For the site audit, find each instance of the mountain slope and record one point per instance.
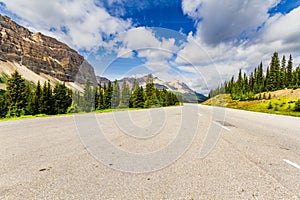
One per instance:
(183, 91)
(42, 54)
(276, 102)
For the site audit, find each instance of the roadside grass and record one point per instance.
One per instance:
(282, 105)
(69, 114)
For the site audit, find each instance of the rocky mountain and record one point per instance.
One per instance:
(180, 88)
(42, 54)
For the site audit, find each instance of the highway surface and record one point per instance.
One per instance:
(184, 152)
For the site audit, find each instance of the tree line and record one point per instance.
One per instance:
(112, 96)
(278, 75)
(23, 98)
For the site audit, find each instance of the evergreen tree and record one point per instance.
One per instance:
(16, 95)
(260, 78)
(151, 98)
(36, 99)
(274, 81)
(62, 98)
(3, 106)
(137, 99)
(115, 100)
(88, 97)
(100, 104)
(125, 95)
(135, 85)
(47, 104)
(289, 73)
(283, 72)
(108, 90)
(278, 76)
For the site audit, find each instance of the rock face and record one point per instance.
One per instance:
(42, 54)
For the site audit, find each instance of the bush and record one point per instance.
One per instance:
(297, 106)
(270, 106)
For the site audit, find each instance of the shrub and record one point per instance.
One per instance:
(270, 106)
(297, 106)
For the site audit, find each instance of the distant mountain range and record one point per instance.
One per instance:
(182, 90)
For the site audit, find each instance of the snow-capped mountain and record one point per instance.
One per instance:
(176, 86)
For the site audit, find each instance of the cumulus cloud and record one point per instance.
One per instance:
(143, 41)
(227, 20)
(283, 29)
(219, 49)
(81, 24)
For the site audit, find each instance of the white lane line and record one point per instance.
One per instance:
(221, 126)
(291, 163)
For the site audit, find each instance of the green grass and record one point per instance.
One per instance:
(3, 78)
(280, 106)
(68, 114)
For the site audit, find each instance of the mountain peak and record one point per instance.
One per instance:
(42, 54)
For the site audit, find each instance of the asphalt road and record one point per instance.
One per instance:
(188, 152)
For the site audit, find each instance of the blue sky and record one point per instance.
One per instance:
(200, 42)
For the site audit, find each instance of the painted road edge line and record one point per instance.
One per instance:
(291, 163)
(221, 126)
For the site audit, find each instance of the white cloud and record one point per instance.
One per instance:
(227, 20)
(217, 51)
(283, 28)
(145, 43)
(86, 23)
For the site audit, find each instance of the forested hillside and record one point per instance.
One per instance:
(24, 98)
(280, 74)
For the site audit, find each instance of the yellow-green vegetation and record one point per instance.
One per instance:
(282, 102)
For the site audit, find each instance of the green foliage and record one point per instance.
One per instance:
(137, 99)
(87, 103)
(47, 101)
(125, 95)
(297, 106)
(3, 78)
(16, 95)
(62, 98)
(107, 95)
(115, 99)
(277, 76)
(21, 98)
(74, 108)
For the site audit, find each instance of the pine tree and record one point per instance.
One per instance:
(151, 98)
(108, 90)
(135, 85)
(88, 97)
(62, 98)
(36, 100)
(289, 74)
(260, 77)
(16, 95)
(137, 99)
(125, 95)
(283, 72)
(47, 104)
(3, 106)
(274, 81)
(115, 100)
(100, 104)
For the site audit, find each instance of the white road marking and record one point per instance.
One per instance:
(291, 163)
(221, 126)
